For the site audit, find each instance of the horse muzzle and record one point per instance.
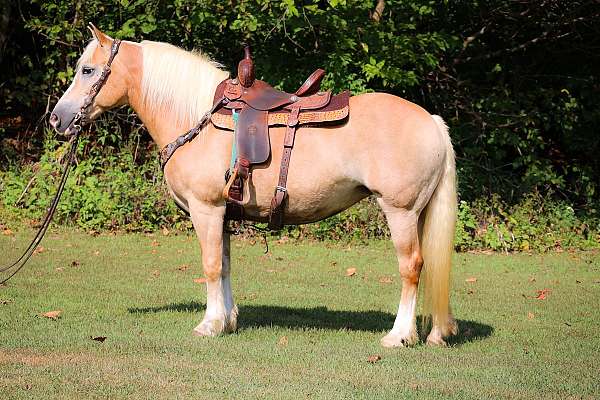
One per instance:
(62, 118)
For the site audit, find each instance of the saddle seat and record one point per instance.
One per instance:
(262, 96)
(251, 106)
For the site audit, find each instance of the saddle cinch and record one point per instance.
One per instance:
(258, 106)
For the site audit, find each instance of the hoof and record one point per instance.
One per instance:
(436, 341)
(212, 327)
(437, 334)
(393, 339)
(231, 322)
(215, 326)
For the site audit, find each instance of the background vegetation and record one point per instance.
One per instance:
(517, 81)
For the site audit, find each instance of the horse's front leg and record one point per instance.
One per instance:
(221, 312)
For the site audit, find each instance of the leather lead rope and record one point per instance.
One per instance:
(20, 263)
(74, 130)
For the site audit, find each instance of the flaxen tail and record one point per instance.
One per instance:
(437, 242)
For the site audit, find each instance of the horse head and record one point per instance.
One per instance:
(89, 68)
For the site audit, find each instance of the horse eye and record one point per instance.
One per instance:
(87, 70)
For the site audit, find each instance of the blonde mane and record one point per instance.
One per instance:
(178, 81)
(174, 80)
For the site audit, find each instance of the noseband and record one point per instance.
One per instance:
(74, 129)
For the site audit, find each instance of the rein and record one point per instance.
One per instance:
(74, 130)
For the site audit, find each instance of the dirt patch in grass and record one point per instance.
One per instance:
(84, 371)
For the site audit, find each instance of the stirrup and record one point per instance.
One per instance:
(232, 177)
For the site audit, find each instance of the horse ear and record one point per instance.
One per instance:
(102, 38)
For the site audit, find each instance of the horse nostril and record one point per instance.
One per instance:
(54, 120)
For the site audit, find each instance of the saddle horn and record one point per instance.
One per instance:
(246, 74)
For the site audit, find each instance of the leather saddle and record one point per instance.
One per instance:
(251, 106)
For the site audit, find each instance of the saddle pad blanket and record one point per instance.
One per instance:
(336, 110)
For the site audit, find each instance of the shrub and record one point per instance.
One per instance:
(117, 192)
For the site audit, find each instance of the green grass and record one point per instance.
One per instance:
(305, 329)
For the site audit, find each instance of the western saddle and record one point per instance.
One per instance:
(251, 107)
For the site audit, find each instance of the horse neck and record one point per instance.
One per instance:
(163, 123)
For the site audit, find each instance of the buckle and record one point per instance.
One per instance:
(280, 189)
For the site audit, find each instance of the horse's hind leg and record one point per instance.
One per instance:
(221, 312)
(404, 231)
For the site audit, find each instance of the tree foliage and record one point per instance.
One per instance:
(516, 80)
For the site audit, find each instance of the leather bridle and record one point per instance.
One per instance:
(81, 116)
(74, 129)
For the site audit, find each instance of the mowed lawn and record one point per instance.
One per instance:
(530, 324)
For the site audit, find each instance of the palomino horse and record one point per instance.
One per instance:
(389, 147)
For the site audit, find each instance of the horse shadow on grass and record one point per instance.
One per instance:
(260, 316)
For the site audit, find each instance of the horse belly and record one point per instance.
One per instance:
(318, 185)
(388, 147)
